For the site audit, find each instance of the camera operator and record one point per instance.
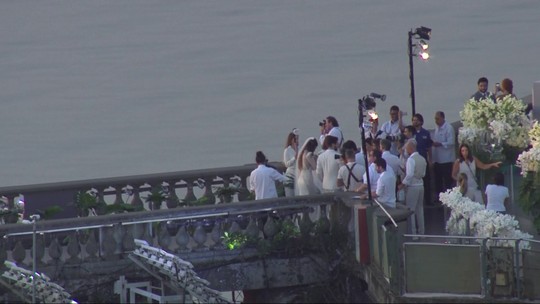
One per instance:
(330, 126)
(391, 130)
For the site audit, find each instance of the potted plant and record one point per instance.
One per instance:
(155, 198)
(225, 194)
(87, 203)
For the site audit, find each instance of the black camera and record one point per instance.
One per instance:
(337, 156)
(322, 123)
(397, 137)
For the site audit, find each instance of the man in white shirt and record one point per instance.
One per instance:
(385, 192)
(263, 179)
(328, 164)
(443, 153)
(414, 187)
(392, 161)
(331, 127)
(373, 155)
(392, 129)
(350, 174)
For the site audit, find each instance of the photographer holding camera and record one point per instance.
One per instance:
(391, 130)
(330, 126)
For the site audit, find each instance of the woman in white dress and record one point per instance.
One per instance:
(306, 165)
(289, 160)
(467, 164)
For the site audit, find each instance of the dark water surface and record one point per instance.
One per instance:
(109, 88)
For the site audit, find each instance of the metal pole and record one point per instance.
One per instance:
(364, 150)
(34, 229)
(411, 71)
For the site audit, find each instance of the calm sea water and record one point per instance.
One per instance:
(110, 88)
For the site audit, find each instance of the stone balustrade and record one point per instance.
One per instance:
(193, 231)
(181, 186)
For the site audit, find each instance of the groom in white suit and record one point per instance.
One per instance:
(328, 164)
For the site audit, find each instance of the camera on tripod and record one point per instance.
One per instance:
(368, 102)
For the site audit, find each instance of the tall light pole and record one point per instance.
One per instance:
(423, 33)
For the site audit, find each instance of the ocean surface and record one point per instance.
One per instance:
(93, 89)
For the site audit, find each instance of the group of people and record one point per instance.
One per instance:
(402, 162)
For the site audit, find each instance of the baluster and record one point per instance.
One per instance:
(147, 234)
(243, 193)
(108, 244)
(118, 192)
(3, 250)
(216, 234)
(305, 223)
(118, 235)
(208, 190)
(164, 239)
(234, 227)
(252, 230)
(226, 180)
(182, 239)
(270, 227)
(136, 201)
(128, 242)
(73, 248)
(199, 235)
(138, 231)
(323, 223)
(101, 200)
(40, 250)
(172, 198)
(18, 253)
(155, 205)
(91, 247)
(190, 195)
(55, 251)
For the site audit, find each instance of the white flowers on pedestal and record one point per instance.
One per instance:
(504, 120)
(529, 161)
(482, 223)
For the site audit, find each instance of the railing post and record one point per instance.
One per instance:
(483, 262)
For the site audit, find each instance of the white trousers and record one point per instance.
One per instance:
(414, 199)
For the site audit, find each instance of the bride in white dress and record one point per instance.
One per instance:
(306, 182)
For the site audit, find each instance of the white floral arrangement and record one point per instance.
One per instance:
(481, 222)
(505, 119)
(529, 161)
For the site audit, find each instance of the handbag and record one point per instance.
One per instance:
(474, 176)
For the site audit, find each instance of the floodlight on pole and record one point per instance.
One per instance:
(423, 33)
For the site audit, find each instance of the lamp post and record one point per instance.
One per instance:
(423, 33)
(367, 103)
(34, 218)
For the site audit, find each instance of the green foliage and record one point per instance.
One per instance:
(49, 212)
(86, 200)
(156, 197)
(225, 191)
(529, 196)
(234, 240)
(120, 208)
(203, 200)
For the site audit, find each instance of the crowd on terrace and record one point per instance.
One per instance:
(402, 161)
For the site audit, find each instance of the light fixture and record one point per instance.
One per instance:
(419, 49)
(423, 32)
(423, 45)
(423, 55)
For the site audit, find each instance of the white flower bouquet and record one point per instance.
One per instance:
(505, 120)
(482, 223)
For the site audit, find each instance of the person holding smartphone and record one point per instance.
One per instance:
(483, 92)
